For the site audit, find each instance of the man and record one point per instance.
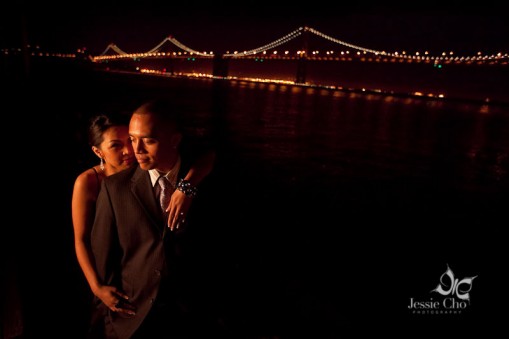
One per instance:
(132, 245)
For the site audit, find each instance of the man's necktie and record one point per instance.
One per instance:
(166, 192)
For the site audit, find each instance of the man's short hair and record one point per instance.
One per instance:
(166, 112)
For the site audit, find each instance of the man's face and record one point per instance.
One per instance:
(154, 147)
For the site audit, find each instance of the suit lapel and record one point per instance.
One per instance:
(142, 189)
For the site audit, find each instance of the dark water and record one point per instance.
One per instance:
(473, 82)
(329, 210)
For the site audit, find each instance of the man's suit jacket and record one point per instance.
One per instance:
(133, 248)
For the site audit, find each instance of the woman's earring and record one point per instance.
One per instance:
(101, 164)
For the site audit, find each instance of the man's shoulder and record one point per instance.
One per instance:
(123, 176)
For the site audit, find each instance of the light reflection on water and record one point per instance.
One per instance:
(309, 129)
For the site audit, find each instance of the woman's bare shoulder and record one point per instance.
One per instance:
(87, 180)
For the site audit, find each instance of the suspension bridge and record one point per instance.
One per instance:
(294, 59)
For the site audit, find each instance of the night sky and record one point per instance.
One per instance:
(222, 25)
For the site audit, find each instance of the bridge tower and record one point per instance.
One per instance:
(302, 61)
(220, 65)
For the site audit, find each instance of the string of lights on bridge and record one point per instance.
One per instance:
(269, 51)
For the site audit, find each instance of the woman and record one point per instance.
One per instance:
(109, 139)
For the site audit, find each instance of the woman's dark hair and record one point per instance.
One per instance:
(100, 123)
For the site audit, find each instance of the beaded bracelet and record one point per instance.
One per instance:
(185, 187)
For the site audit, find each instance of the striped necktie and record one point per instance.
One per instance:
(166, 192)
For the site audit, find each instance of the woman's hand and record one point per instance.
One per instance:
(179, 205)
(114, 299)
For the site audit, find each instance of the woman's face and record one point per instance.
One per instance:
(117, 149)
